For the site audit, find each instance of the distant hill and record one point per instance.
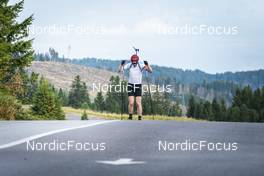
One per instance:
(61, 74)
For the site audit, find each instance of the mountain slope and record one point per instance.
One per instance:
(61, 74)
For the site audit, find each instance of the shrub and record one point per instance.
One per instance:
(10, 108)
(84, 116)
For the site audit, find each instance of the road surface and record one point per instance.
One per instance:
(130, 148)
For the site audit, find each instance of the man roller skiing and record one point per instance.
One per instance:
(134, 88)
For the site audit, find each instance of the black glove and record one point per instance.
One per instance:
(146, 63)
(123, 62)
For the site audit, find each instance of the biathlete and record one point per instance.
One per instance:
(134, 88)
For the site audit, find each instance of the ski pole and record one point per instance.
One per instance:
(122, 93)
(150, 97)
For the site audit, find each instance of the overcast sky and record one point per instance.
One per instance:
(158, 28)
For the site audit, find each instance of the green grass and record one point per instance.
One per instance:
(113, 116)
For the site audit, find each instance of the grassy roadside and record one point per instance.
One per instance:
(112, 116)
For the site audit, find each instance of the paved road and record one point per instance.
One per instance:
(132, 148)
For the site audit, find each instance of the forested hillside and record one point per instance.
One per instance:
(185, 82)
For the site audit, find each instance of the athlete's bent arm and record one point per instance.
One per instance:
(121, 66)
(148, 67)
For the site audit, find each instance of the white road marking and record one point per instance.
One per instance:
(30, 138)
(122, 161)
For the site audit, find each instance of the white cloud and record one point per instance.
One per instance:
(150, 26)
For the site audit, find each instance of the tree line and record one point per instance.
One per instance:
(117, 101)
(247, 106)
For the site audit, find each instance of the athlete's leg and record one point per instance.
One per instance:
(131, 104)
(139, 106)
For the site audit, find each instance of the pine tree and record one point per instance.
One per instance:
(191, 107)
(78, 93)
(15, 51)
(223, 111)
(63, 97)
(207, 110)
(84, 92)
(247, 96)
(237, 101)
(32, 86)
(113, 98)
(45, 103)
(216, 110)
(157, 103)
(146, 106)
(257, 100)
(165, 104)
(99, 102)
(111, 104)
(198, 110)
(123, 97)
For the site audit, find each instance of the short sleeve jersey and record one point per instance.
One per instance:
(135, 72)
